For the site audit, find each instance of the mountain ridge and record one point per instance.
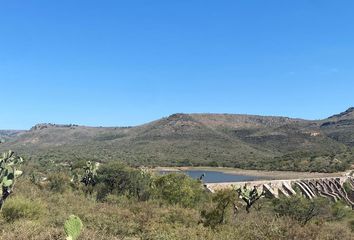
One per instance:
(233, 140)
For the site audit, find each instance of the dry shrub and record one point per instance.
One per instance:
(325, 231)
(30, 230)
(18, 207)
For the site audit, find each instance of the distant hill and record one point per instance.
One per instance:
(245, 141)
(7, 135)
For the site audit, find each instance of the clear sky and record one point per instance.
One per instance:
(119, 63)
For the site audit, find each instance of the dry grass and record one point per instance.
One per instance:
(123, 218)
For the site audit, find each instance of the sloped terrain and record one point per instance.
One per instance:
(245, 141)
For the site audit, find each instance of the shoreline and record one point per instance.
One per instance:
(261, 174)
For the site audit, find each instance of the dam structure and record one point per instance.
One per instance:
(329, 187)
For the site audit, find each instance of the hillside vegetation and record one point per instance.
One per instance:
(128, 203)
(231, 140)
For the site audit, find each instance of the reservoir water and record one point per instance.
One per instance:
(215, 176)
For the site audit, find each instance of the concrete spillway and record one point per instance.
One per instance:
(331, 188)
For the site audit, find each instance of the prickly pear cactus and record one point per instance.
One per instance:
(250, 196)
(8, 174)
(89, 177)
(73, 227)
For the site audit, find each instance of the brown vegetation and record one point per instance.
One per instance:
(39, 213)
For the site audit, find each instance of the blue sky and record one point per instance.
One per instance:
(119, 63)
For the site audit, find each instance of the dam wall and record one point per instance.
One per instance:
(329, 187)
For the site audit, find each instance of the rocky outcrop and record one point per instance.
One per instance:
(48, 125)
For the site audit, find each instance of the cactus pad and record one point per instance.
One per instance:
(72, 227)
(8, 173)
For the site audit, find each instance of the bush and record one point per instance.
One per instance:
(351, 225)
(179, 189)
(216, 214)
(339, 211)
(17, 208)
(301, 209)
(119, 179)
(58, 182)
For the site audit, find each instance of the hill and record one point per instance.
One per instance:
(233, 140)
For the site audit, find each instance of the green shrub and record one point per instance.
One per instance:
(351, 225)
(58, 182)
(216, 214)
(18, 207)
(119, 179)
(339, 211)
(179, 215)
(300, 208)
(179, 189)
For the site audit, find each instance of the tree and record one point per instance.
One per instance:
(178, 188)
(117, 178)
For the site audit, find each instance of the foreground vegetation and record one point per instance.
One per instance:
(129, 203)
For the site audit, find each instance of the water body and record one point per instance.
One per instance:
(215, 176)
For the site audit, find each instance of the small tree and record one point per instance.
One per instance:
(301, 209)
(140, 184)
(180, 189)
(216, 215)
(117, 178)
